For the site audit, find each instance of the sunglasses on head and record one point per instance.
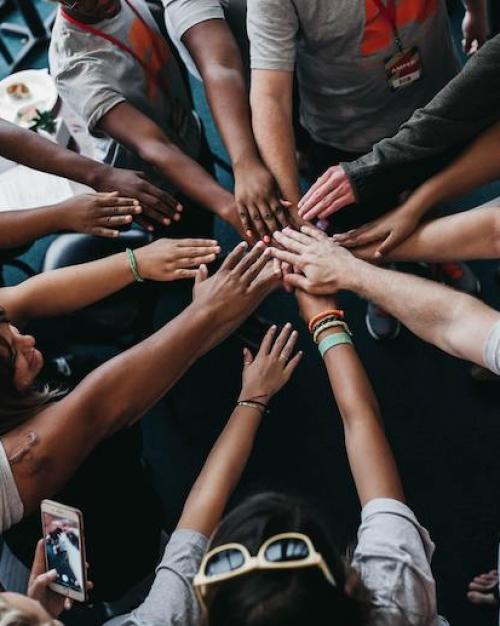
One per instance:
(284, 551)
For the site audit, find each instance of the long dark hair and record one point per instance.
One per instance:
(19, 406)
(295, 597)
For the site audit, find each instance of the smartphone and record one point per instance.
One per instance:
(65, 549)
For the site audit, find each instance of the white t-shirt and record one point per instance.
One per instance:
(11, 507)
(492, 350)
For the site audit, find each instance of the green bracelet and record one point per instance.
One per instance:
(132, 261)
(336, 339)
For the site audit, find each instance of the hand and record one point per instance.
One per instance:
(330, 193)
(157, 205)
(325, 266)
(271, 369)
(257, 201)
(239, 286)
(474, 30)
(392, 228)
(98, 214)
(38, 585)
(173, 259)
(310, 305)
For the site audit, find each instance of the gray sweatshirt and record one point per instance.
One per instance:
(434, 135)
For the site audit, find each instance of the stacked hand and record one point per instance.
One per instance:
(174, 259)
(321, 265)
(474, 29)
(157, 205)
(266, 373)
(99, 214)
(330, 193)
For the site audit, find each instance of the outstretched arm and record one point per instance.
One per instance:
(130, 127)
(217, 57)
(370, 457)
(28, 148)
(263, 377)
(72, 288)
(478, 165)
(457, 323)
(123, 389)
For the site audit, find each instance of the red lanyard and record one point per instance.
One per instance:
(388, 11)
(159, 80)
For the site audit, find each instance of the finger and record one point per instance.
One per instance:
(281, 340)
(388, 244)
(42, 581)
(99, 231)
(201, 275)
(314, 233)
(159, 199)
(335, 206)
(281, 213)
(144, 223)
(289, 346)
(247, 357)
(481, 598)
(257, 221)
(182, 274)
(157, 216)
(366, 237)
(152, 205)
(125, 209)
(249, 259)
(267, 214)
(197, 243)
(292, 364)
(122, 220)
(234, 257)
(68, 603)
(322, 204)
(257, 266)
(287, 257)
(202, 250)
(314, 195)
(195, 261)
(297, 281)
(246, 222)
(38, 566)
(288, 242)
(268, 278)
(111, 200)
(267, 342)
(297, 236)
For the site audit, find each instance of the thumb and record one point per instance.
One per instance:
(42, 582)
(201, 274)
(247, 357)
(298, 281)
(387, 245)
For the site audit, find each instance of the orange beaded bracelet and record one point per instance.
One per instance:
(322, 316)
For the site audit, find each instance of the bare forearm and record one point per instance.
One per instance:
(20, 227)
(273, 128)
(28, 148)
(455, 322)
(221, 472)
(370, 457)
(71, 288)
(465, 236)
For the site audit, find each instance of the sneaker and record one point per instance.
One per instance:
(380, 324)
(456, 275)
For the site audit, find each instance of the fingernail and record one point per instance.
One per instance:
(273, 328)
(177, 217)
(179, 207)
(267, 239)
(135, 202)
(53, 572)
(217, 249)
(128, 218)
(150, 229)
(138, 209)
(166, 221)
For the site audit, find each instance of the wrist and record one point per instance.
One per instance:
(249, 394)
(95, 175)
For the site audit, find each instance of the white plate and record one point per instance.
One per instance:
(43, 93)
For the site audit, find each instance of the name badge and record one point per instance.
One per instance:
(403, 68)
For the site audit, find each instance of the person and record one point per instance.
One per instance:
(30, 149)
(362, 71)
(423, 145)
(476, 166)
(455, 322)
(271, 560)
(33, 423)
(210, 51)
(116, 71)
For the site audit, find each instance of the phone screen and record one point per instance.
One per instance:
(63, 546)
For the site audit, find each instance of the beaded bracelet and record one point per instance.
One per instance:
(331, 341)
(322, 316)
(331, 324)
(251, 404)
(132, 261)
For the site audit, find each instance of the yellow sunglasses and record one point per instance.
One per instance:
(284, 551)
